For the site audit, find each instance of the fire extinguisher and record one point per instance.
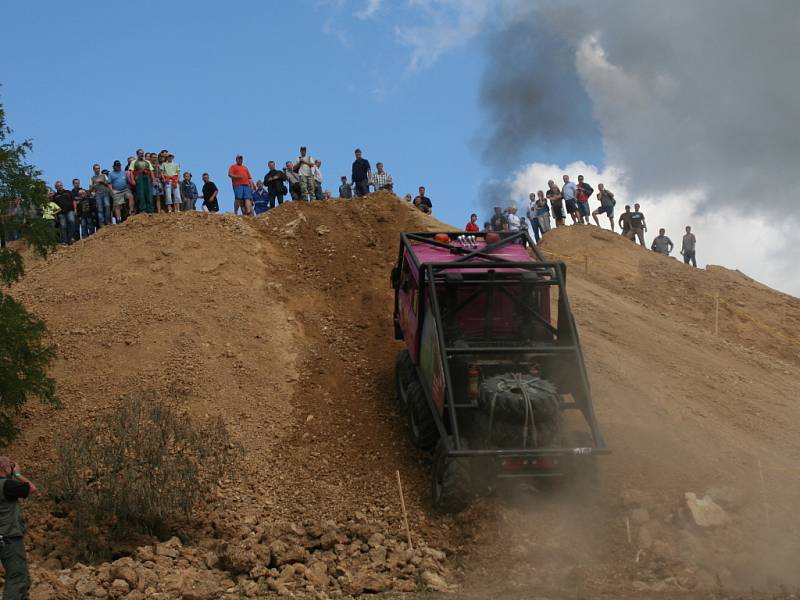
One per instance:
(473, 382)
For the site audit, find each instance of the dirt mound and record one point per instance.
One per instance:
(282, 325)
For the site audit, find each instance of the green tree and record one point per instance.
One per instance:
(25, 352)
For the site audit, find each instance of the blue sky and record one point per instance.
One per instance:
(92, 81)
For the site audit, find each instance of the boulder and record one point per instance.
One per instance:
(434, 581)
(706, 512)
(317, 574)
(119, 588)
(283, 553)
(123, 569)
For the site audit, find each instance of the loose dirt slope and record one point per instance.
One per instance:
(282, 324)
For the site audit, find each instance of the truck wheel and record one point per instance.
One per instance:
(451, 489)
(403, 375)
(421, 426)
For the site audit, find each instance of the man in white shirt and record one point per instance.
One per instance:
(317, 172)
(568, 192)
(513, 219)
(303, 166)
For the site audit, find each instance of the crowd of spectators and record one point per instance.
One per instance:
(550, 209)
(154, 182)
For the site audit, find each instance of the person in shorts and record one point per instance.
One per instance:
(569, 192)
(607, 203)
(556, 202)
(242, 186)
(120, 192)
(583, 192)
(171, 173)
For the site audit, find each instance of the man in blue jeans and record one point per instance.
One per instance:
(66, 216)
(102, 196)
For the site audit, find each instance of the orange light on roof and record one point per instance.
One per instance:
(442, 237)
(492, 237)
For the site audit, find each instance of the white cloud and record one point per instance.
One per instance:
(719, 233)
(369, 10)
(449, 24)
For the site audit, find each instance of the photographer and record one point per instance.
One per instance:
(12, 527)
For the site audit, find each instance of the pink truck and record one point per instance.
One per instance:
(492, 377)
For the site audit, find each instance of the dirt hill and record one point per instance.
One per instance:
(282, 325)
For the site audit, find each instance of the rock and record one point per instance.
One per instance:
(145, 553)
(434, 581)
(366, 581)
(86, 586)
(119, 588)
(706, 512)
(53, 564)
(169, 549)
(377, 555)
(404, 585)
(283, 553)
(434, 554)
(329, 539)
(376, 539)
(317, 574)
(43, 591)
(640, 516)
(645, 539)
(236, 559)
(123, 569)
(323, 229)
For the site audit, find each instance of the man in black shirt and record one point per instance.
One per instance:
(498, 221)
(362, 173)
(12, 527)
(66, 216)
(422, 202)
(273, 181)
(210, 192)
(638, 225)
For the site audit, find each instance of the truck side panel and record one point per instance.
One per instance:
(430, 360)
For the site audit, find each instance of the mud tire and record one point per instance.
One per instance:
(404, 374)
(421, 427)
(451, 481)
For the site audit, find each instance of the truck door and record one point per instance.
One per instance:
(408, 308)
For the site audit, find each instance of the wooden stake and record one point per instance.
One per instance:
(716, 314)
(403, 506)
(628, 528)
(764, 495)
(586, 263)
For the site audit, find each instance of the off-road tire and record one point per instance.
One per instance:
(512, 405)
(451, 481)
(421, 427)
(404, 374)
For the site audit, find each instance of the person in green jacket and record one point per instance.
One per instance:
(13, 486)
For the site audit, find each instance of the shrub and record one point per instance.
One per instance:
(137, 468)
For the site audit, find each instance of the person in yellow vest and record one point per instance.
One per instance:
(172, 190)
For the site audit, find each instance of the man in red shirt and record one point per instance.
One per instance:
(472, 226)
(242, 187)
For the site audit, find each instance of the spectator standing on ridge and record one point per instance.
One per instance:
(584, 192)
(661, 243)
(472, 226)
(242, 186)
(260, 198)
(303, 167)
(317, 171)
(15, 486)
(172, 183)
(210, 193)
(625, 221)
(512, 219)
(102, 196)
(157, 181)
(274, 181)
(532, 218)
(556, 202)
(142, 175)
(607, 203)
(688, 246)
(498, 222)
(84, 215)
(381, 180)
(293, 179)
(362, 173)
(542, 212)
(188, 192)
(422, 202)
(120, 192)
(50, 212)
(66, 212)
(345, 189)
(568, 192)
(638, 225)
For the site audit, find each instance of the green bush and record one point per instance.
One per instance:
(136, 469)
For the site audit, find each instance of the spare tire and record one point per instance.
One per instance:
(508, 400)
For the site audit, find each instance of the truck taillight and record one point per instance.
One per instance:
(473, 382)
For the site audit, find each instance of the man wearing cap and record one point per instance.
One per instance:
(171, 172)
(142, 175)
(242, 186)
(303, 166)
(120, 192)
(274, 181)
(14, 486)
(362, 173)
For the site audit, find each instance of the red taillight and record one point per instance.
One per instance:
(473, 382)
